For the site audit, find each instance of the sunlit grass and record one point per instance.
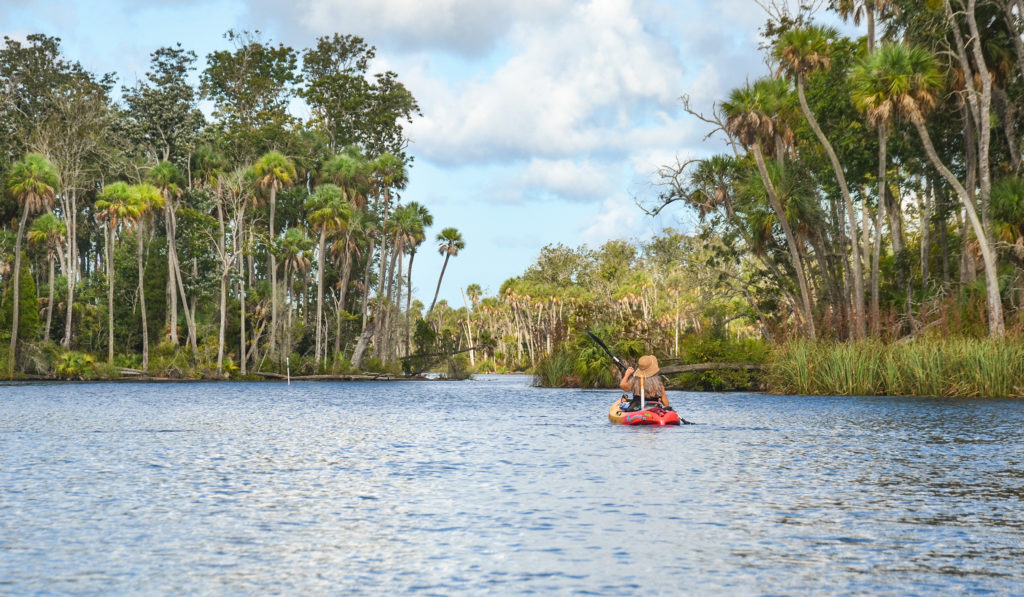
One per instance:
(956, 367)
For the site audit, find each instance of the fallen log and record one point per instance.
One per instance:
(698, 367)
(330, 377)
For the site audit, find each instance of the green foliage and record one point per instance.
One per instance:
(488, 366)
(458, 367)
(168, 360)
(75, 365)
(250, 88)
(955, 367)
(29, 326)
(339, 365)
(713, 348)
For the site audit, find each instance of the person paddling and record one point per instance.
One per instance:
(645, 377)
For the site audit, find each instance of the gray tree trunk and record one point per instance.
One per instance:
(791, 242)
(858, 275)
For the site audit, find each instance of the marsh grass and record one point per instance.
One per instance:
(955, 367)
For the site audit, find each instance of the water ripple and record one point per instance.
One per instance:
(449, 488)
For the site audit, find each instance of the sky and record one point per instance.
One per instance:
(544, 121)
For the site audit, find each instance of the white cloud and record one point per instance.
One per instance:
(617, 217)
(575, 181)
(577, 87)
(469, 28)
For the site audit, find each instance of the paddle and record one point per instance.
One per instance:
(618, 362)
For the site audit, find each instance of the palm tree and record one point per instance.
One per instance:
(167, 178)
(749, 119)
(234, 188)
(294, 248)
(347, 245)
(48, 230)
(33, 182)
(801, 52)
(117, 205)
(403, 229)
(449, 244)
(328, 212)
(148, 198)
(209, 169)
(386, 172)
(905, 81)
(869, 10)
(473, 291)
(273, 171)
(350, 171)
(425, 220)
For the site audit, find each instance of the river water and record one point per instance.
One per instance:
(493, 486)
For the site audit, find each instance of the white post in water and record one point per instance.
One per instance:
(288, 369)
(642, 401)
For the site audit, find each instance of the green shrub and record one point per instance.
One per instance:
(339, 364)
(75, 365)
(458, 367)
(716, 348)
(105, 370)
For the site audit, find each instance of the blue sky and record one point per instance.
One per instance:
(543, 120)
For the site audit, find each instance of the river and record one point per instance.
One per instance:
(494, 486)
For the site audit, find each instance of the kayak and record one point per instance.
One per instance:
(652, 415)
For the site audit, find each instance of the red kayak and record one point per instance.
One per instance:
(655, 414)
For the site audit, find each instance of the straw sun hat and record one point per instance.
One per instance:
(647, 366)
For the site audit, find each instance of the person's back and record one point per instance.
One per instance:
(644, 380)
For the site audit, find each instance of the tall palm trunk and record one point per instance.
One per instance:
(439, 278)
(346, 272)
(926, 204)
(172, 256)
(69, 204)
(225, 269)
(385, 334)
(272, 266)
(366, 280)
(189, 313)
(142, 297)
(320, 293)
(49, 302)
(16, 291)
(287, 332)
(791, 242)
(110, 294)
(240, 255)
(995, 306)
(382, 305)
(408, 306)
(858, 275)
(883, 166)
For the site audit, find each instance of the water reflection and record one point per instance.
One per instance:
(495, 486)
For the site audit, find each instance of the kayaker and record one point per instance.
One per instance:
(647, 370)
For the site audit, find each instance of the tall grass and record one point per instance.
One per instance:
(956, 367)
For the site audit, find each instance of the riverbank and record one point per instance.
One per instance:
(267, 377)
(958, 367)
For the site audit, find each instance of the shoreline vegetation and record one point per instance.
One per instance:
(860, 230)
(947, 367)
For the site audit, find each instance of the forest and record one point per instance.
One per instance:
(869, 196)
